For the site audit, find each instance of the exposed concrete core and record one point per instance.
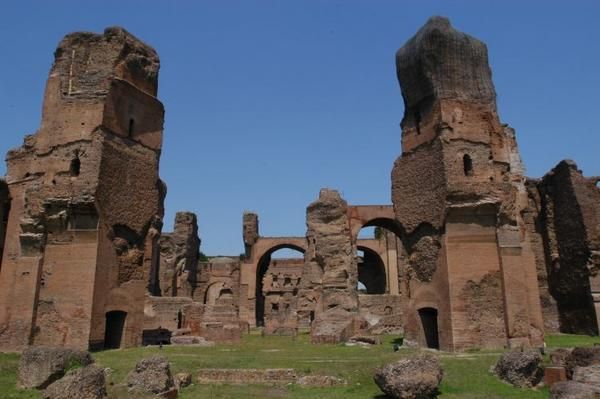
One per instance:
(458, 193)
(331, 253)
(570, 210)
(87, 201)
(178, 258)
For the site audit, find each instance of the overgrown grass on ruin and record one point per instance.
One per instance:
(466, 375)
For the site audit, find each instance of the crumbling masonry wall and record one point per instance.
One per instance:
(178, 261)
(569, 205)
(87, 200)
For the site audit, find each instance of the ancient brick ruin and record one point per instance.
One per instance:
(86, 201)
(470, 254)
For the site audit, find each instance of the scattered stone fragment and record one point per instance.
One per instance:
(182, 380)
(521, 369)
(41, 366)
(411, 378)
(84, 383)
(559, 357)
(582, 357)
(151, 375)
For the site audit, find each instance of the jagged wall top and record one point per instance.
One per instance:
(440, 62)
(91, 60)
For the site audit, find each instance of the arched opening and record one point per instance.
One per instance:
(278, 275)
(115, 323)
(371, 272)
(131, 127)
(75, 167)
(179, 319)
(429, 323)
(379, 250)
(4, 212)
(467, 165)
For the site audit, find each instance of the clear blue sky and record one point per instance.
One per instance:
(268, 101)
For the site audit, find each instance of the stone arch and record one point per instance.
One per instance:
(261, 268)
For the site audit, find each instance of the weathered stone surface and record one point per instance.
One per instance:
(520, 368)
(582, 357)
(83, 383)
(41, 366)
(151, 375)
(411, 378)
(574, 390)
(588, 375)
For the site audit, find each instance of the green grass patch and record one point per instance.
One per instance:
(9, 364)
(570, 341)
(466, 375)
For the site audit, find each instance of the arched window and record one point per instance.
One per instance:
(131, 127)
(75, 167)
(467, 165)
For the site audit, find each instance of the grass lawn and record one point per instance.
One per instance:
(466, 375)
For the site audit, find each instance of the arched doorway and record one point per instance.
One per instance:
(429, 323)
(277, 280)
(115, 324)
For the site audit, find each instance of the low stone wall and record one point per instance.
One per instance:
(265, 376)
(247, 376)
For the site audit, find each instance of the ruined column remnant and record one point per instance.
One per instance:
(570, 214)
(179, 257)
(86, 200)
(250, 233)
(329, 279)
(458, 191)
